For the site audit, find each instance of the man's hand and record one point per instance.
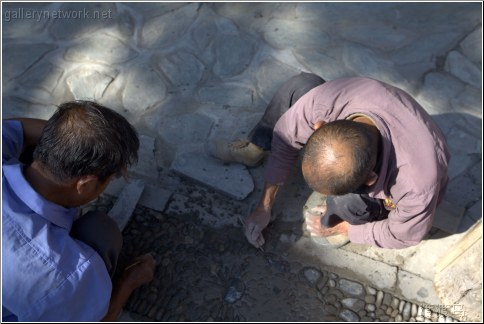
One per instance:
(140, 271)
(258, 220)
(313, 223)
(254, 224)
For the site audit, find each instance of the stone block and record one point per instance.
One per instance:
(126, 203)
(448, 217)
(231, 94)
(82, 21)
(416, 289)
(350, 265)
(437, 91)
(427, 48)
(19, 57)
(471, 46)
(270, 76)
(100, 48)
(146, 165)
(459, 66)
(233, 54)
(90, 82)
(167, 29)
(280, 33)
(231, 179)
(185, 129)
(45, 76)
(181, 68)
(14, 24)
(152, 196)
(327, 67)
(143, 90)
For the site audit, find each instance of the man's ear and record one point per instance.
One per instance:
(86, 183)
(318, 124)
(372, 178)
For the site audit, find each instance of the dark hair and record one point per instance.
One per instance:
(85, 138)
(339, 157)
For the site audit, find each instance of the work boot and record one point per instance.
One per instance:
(241, 151)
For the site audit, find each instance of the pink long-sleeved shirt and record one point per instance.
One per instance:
(413, 174)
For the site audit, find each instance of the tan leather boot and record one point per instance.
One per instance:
(241, 151)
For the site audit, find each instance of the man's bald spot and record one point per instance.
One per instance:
(338, 157)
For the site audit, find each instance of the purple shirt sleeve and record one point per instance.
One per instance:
(291, 133)
(405, 226)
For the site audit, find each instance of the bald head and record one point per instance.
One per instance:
(339, 157)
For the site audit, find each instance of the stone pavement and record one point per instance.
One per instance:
(187, 73)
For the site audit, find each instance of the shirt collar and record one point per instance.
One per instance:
(56, 214)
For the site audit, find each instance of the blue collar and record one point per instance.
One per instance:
(56, 214)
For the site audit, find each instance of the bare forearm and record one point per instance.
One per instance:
(268, 196)
(119, 298)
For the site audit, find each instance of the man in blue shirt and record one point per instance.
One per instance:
(56, 267)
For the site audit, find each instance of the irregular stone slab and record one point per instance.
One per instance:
(231, 94)
(90, 83)
(14, 22)
(82, 19)
(233, 179)
(448, 217)
(466, 188)
(174, 130)
(19, 57)
(125, 25)
(152, 197)
(100, 48)
(233, 54)
(270, 76)
(458, 65)
(45, 76)
(436, 92)
(471, 46)
(181, 68)
(167, 29)
(204, 30)
(13, 107)
(281, 33)
(144, 89)
(126, 203)
(321, 64)
(378, 34)
(229, 129)
(151, 9)
(146, 165)
(367, 62)
(468, 101)
(427, 48)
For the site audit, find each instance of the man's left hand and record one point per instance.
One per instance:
(313, 224)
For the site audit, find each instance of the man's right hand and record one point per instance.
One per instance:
(140, 271)
(254, 224)
(258, 220)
